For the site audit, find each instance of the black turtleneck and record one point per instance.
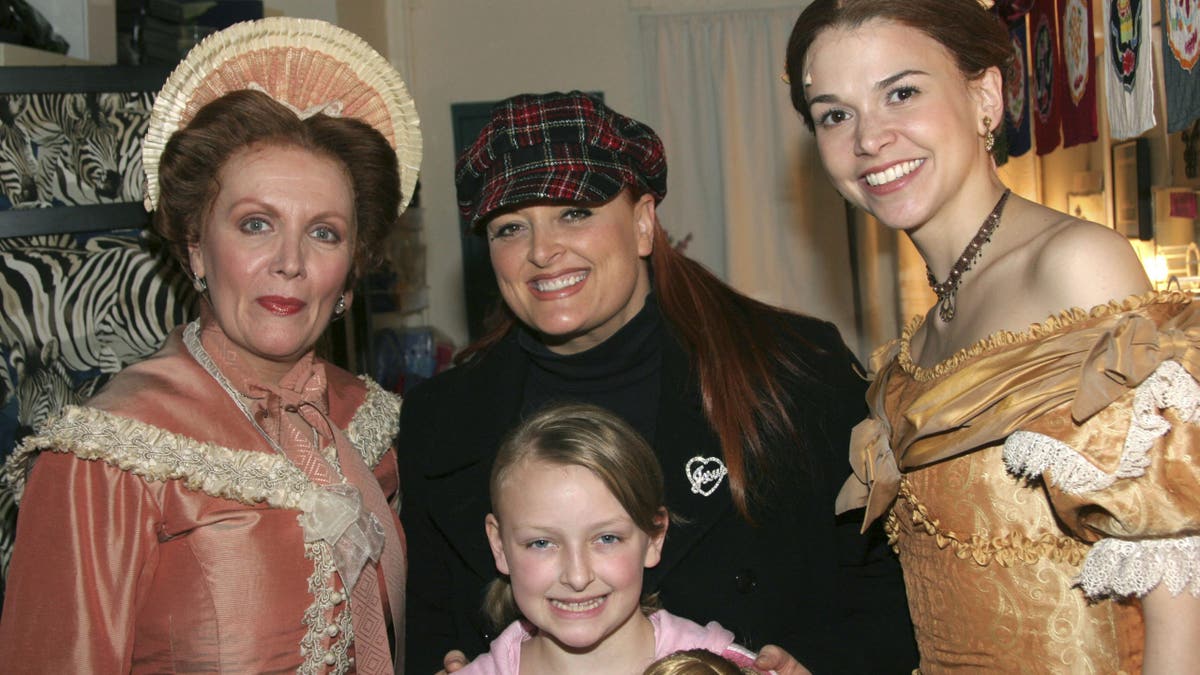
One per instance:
(620, 374)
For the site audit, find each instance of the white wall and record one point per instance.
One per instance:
(325, 10)
(89, 26)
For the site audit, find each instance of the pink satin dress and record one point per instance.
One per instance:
(160, 528)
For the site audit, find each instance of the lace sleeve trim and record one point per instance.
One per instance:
(1031, 454)
(375, 423)
(159, 455)
(1121, 568)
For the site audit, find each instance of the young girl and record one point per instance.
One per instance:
(578, 513)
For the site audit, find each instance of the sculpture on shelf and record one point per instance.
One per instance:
(22, 24)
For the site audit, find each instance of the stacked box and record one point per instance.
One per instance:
(171, 27)
(131, 14)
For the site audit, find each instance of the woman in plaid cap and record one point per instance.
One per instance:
(748, 407)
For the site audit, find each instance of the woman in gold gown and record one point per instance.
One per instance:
(1033, 439)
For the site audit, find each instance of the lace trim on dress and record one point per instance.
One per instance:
(376, 422)
(1035, 332)
(1170, 386)
(1005, 550)
(340, 632)
(1120, 568)
(159, 455)
(1032, 455)
(155, 454)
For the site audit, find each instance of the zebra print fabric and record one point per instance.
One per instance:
(73, 311)
(72, 149)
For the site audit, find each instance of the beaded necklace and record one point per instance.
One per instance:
(948, 289)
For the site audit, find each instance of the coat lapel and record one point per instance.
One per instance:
(493, 400)
(470, 436)
(682, 434)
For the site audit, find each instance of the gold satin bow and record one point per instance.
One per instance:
(876, 479)
(1126, 355)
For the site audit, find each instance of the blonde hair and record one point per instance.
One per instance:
(695, 662)
(597, 440)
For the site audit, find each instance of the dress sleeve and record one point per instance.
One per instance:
(86, 545)
(1126, 480)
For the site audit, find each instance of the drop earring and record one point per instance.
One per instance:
(339, 309)
(199, 283)
(989, 138)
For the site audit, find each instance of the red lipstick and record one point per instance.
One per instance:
(560, 285)
(280, 305)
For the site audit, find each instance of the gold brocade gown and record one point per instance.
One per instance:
(1039, 483)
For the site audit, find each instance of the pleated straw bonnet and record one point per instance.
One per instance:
(308, 65)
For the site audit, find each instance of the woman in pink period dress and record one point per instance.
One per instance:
(227, 505)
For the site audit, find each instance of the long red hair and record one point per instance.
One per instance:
(738, 347)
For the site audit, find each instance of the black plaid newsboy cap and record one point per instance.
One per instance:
(556, 147)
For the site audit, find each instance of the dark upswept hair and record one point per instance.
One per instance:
(194, 155)
(739, 348)
(588, 436)
(975, 38)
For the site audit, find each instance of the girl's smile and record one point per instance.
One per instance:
(574, 556)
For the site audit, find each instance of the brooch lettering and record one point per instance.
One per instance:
(705, 474)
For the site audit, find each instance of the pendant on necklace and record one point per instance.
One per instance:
(946, 308)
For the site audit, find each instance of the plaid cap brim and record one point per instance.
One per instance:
(551, 173)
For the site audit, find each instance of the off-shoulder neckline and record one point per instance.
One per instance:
(1006, 338)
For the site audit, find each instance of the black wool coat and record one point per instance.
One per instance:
(797, 577)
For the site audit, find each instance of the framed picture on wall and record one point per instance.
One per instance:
(1087, 206)
(1132, 213)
